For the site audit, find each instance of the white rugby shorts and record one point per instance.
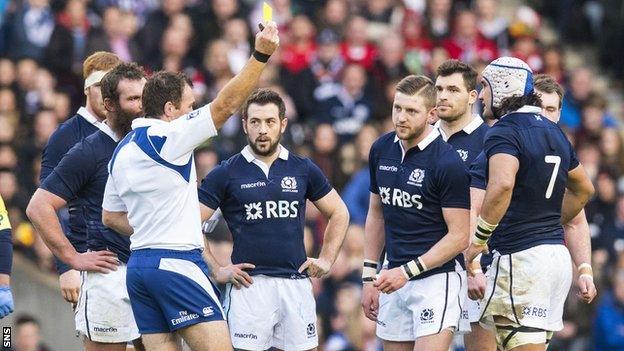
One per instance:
(272, 312)
(423, 307)
(103, 313)
(529, 287)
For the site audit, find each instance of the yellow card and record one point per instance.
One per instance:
(267, 12)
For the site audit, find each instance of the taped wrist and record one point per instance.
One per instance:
(264, 58)
(483, 232)
(369, 271)
(413, 268)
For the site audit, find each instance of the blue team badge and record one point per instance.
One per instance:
(289, 184)
(417, 177)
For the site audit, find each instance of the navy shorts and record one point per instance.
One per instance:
(170, 290)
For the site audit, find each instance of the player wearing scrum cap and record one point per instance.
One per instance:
(420, 199)
(531, 165)
(84, 123)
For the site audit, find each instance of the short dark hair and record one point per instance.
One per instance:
(450, 67)
(547, 84)
(264, 97)
(161, 88)
(110, 81)
(418, 85)
(25, 319)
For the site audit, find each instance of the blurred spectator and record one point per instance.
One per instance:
(319, 79)
(389, 64)
(28, 334)
(237, 35)
(523, 31)
(554, 64)
(297, 54)
(491, 24)
(116, 35)
(334, 15)
(594, 118)
(467, 44)
(418, 47)
(7, 73)
(439, 19)
(576, 94)
(324, 155)
(356, 193)
(350, 107)
(155, 25)
(30, 29)
(356, 48)
(609, 322)
(611, 238)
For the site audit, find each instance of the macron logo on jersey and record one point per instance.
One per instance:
(253, 185)
(388, 168)
(271, 209)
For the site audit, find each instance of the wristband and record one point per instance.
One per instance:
(413, 268)
(483, 232)
(369, 271)
(584, 265)
(264, 58)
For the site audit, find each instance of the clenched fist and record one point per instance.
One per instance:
(267, 40)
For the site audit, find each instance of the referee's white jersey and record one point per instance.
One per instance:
(152, 177)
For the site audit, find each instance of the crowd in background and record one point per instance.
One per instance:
(336, 68)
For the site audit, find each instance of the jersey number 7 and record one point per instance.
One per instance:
(556, 160)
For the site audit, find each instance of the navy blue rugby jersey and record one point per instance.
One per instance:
(414, 186)
(546, 156)
(68, 134)
(265, 208)
(469, 141)
(82, 174)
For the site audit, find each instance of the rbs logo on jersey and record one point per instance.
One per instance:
(271, 209)
(399, 198)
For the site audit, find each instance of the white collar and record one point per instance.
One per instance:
(104, 127)
(475, 123)
(529, 109)
(146, 122)
(249, 156)
(84, 113)
(435, 132)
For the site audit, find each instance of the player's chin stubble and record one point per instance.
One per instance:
(266, 151)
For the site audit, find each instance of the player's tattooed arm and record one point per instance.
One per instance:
(335, 210)
(236, 91)
(117, 221)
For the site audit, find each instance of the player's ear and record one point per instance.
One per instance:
(473, 95)
(108, 105)
(244, 123)
(432, 116)
(169, 110)
(284, 123)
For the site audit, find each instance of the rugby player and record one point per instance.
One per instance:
(420, 199)
(75, 129)
(535, 184)
(103, 314)
(262, 193)
(456, 92)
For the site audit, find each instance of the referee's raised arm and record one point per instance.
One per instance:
(237, 90)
